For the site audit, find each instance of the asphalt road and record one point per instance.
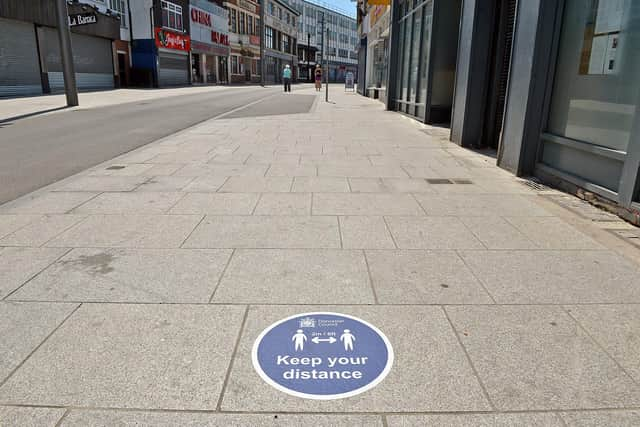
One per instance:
(40, 150)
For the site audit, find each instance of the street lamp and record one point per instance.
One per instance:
(308, 52)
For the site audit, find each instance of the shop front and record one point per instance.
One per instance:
(209, 43)
(173, 58)
(425, 46)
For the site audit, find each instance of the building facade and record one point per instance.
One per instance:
(30, 63)
(340, 44)
(280, 40)
(244, 40)
(551, 85)
(209, 43)
(376, 55)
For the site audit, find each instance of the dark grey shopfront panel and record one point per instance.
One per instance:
(173, 70)
(19, 65)
(92, 58)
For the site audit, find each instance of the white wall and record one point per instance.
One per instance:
(141, 19)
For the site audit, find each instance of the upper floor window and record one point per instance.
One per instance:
(171, 16)
(119, 7)
(232, 17)
(268, 37)
(241, 22)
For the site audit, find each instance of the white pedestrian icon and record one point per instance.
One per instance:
(347, 338)
(299, 338)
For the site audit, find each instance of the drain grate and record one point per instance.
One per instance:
(535, 184)
(439, 181)
(462, 181)
(115, 168)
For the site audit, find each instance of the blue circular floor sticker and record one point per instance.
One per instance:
(322, 355)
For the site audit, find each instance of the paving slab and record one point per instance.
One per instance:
(216, 204)
(128, 231)
(295, 277)
(265, 232)
(242, 184)
(430, 371)
(165, 183)
(129, 275)
(83, 418)
(480, 205)
(423, 277)
(131, 356)
(12, 223)
(361, 171)
(365, 204)
(41, 230)
(121, 169)
(432, 233)
(102, 183)
(553, 233)
(365, 232)
(48, 203)
(18, 265)
(284, 204)
(616, 328)
(497, 233)
(163, 169)
(205, 184)
(307, 170)
(320, 184)
(23, 326)
(30, 416)
(153, 203)
(538, 358)
(220, 169)
(555, 277)
(476, 420)
(601, 418)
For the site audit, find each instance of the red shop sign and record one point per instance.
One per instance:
(219, 38)
(201, 17)
(171, 40)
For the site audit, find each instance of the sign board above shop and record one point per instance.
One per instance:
(86, 18)
(170, 40)
(209, 26)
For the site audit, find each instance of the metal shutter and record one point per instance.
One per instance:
(173, 70)
(92, 59)
(19, 65)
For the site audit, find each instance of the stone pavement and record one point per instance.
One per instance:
(132, 293)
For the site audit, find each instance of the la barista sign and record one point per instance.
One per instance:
(322, 356)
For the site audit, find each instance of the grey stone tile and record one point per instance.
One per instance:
(423, 277)
(128, 231)
(82, 418)
(480, 205)
(163, 169)
(129, 275)
(220, 169)
(122, 169)
(282, 159)
(296, 277)
(242, 184)
(103, 183)
(49, 203)
(41, 231)
(538, 358)
(17, 265)
(30, 417)
(556, 277)
(182, 157)
(475, 420)
(154, 203)
(131, 356)
(284, 204)
(205, 184)
(430, 371)
(320, 184)
(361, 171)
(497, 233)
(601, 418)
(365, 204)
(432, 233)
(11, 223)
(365, 232)
(23, 326)
(216, 204)
(265, 232)
(165, 183)
(617, 329)
(407, 185)
(292, 171)
(553, 233)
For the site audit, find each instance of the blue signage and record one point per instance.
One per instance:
(322, 355)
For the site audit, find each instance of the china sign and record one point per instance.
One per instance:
(171, 40)
(209, 26)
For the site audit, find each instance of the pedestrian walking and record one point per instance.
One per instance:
(318, 78)
(286, 76)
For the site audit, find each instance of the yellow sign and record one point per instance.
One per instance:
(379, 2)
